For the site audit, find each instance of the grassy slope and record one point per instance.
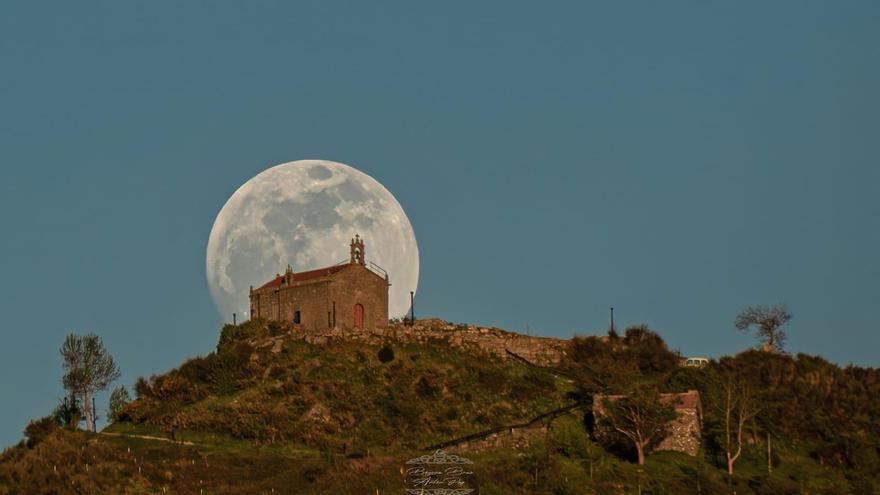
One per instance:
(341, 399)
(335, 419)
(560, 464)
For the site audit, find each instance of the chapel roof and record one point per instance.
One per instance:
(304, 276)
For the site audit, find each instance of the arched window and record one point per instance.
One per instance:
(358, 315)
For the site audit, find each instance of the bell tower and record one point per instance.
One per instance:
(357, 250)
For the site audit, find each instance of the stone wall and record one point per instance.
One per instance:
(358, 285)
(543, 351)
(311, 300)
(684, 433)
(326, 301)
(510, 438)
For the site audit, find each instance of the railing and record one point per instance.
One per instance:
(378, 270)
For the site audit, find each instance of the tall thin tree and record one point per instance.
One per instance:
(88, 368)
(738, 406)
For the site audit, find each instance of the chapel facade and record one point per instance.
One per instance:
(350, 294)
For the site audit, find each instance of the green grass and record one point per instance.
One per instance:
(245, 411)
(428, 394)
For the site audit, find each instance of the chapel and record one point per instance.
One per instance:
(350, 294)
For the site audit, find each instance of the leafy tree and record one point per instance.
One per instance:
(649, 350)
(118, 400)
(768, 322)
(68, 413)
(642, 417)
(89, 368)
(601, 365)
(605, 364)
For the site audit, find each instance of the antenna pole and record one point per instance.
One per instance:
(612, 317)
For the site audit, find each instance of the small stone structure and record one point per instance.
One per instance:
(684, 431)
(351, 294)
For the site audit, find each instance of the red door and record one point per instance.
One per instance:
(358, 315)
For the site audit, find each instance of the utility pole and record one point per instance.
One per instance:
(233, 319)
(612, 317)
(412, 309)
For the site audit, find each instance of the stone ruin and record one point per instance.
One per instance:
(684, 431)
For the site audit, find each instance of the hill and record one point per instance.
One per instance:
(268, 412)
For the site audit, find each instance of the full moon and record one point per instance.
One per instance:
(305, 213)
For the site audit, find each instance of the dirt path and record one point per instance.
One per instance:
(147, 437)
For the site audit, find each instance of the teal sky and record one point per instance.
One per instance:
(677, 160)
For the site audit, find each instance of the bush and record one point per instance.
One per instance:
(426, 388)
(570, 438)
(386, 354)
(142, 388)
(39, 429)
(257, 328)
(67, 413)
(118, 400)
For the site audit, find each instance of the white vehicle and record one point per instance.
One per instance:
(696, 362)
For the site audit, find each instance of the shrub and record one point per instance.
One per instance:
(39, 429)
(426, 389)
(67, 413)
(386, 354)
(275, 328)
(118, 400)
(142, 388)
(174, 386)
(277, 372)
(569, 438)
(197, 369)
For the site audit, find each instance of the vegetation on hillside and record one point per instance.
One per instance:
(264, 412)
(341, 397)
(88, 369)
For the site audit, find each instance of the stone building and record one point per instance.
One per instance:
(684, 431)
(350, 294)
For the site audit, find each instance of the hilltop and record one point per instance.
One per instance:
(272, 412)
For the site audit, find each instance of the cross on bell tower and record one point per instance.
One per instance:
(357, 250)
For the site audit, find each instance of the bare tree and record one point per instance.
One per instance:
(738, 405)
(768, 322)
(89, 368)
(642, 417)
